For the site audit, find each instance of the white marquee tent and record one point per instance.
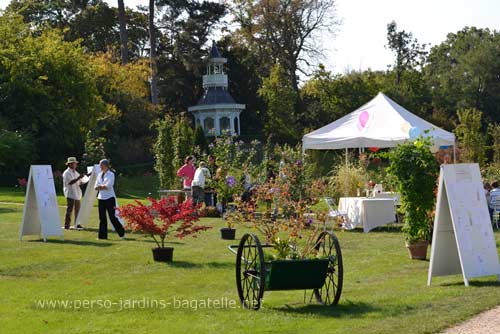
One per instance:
(379, 123)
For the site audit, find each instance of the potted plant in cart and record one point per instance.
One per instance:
(415, 170)
(297, 254)
(161, 219)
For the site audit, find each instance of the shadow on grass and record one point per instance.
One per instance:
(474, 283)
(384, 229)
(343, 309)
(9, 210)
(76, 242)
(210, 265)
(134, 236)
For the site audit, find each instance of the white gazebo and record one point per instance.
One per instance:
(217, 112)
(379, 123)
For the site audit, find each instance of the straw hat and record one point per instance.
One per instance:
(71, 160)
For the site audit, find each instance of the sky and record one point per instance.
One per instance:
(360, 40)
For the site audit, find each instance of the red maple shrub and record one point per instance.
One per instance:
(162, 218)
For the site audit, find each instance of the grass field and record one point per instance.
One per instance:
(384, 291)
(128, 189)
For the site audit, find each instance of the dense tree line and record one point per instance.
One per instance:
(77, 72)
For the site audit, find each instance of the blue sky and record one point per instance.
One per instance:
(360, 40)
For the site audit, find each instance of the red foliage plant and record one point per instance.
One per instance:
(162, 218)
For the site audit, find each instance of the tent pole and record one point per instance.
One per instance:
(346, 172)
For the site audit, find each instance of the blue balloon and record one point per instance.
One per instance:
(414, 132)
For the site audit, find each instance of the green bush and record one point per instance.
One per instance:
(17, 152)
(416, 170)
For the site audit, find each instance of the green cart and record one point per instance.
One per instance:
(254, 275)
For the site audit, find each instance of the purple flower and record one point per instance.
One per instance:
(230, 181)
(309, 221)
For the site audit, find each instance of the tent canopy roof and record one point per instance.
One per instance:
(379, 123)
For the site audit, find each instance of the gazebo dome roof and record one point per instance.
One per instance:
(214, 52)
(216, 95)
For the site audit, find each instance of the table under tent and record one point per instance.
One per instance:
(380, 123)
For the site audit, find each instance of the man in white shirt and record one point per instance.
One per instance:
(72, 180)
(198, 184)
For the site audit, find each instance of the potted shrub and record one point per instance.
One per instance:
(298, 253)
(161, 219)
(230, 217)
(415, 170)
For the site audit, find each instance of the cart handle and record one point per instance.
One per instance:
(234, 248)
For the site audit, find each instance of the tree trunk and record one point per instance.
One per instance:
(123, 32)
(152, 52)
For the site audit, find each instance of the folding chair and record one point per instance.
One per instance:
(334, 213)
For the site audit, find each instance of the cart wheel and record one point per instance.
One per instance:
(250, 271)
(328, 246)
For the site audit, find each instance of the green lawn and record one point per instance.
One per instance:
(128, 189)
(384, 291)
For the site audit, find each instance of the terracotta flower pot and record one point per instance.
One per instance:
(418, 250)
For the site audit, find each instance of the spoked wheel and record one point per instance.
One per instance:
(328, 246)
(250, 271)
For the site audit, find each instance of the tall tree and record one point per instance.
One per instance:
(470, 135)
(409, 53)
(123, 32)
(152, 53)
(285, 31)
(280, 98)
(164, 152)
(57, 100)
(185, 27)
(463, 71)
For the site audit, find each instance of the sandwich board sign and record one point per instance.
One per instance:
(89, 196)
(463, 241)
(41, 214)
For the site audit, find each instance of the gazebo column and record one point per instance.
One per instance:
(231, 124)
(217, 125)
(202, 122)
(239, 126)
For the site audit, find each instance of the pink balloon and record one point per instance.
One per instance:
(363, 118)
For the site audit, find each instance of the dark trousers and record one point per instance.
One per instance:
(108, 205)
(198, 194)
(71, 204)
(210, 198)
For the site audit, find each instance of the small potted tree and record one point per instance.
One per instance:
(415, 170)
(162, 218)
(229, 190)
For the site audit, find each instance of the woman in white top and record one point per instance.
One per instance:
(107, 200)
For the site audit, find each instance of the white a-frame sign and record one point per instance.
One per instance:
(89, 196)
(41, 214)
(463, 241)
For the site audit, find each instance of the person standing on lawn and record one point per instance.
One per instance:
(72, 180)
(198, 185)
(107, 201)
(210, 194)
(186, 172)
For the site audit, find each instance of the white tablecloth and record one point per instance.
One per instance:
(388, 194)
(368, 212)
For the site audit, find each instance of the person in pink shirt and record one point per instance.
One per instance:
(186, 172)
